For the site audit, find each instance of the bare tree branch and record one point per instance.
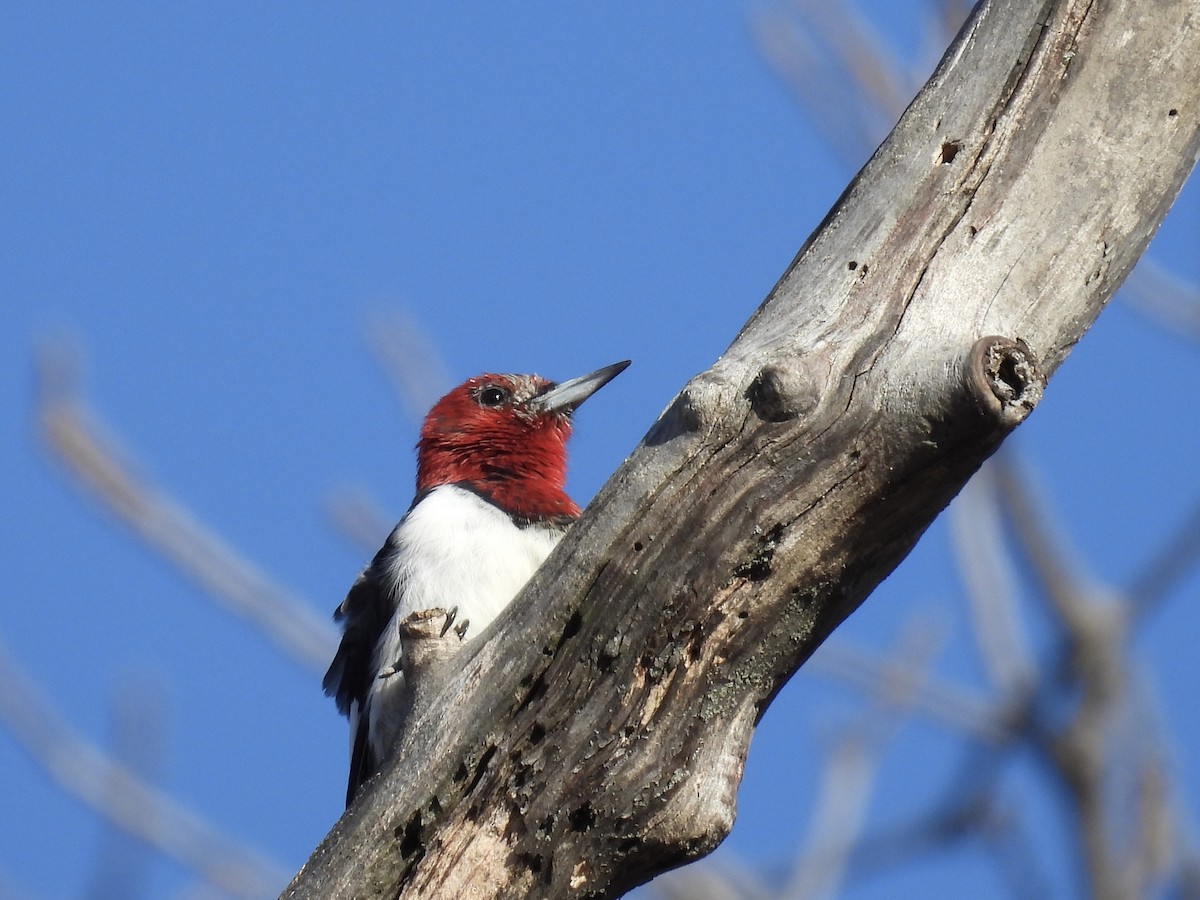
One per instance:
(978, 814)
(830, 58)
(1170, 300)
(411, 360)
(1072, 593)
(120, 797)
(138, 747)
(979, 543)
(1092, 664)
(1177, 558)
(862, 58)
(1102, 743)
(595, 734)
(839, 108)
(977, 532)
(937, 700)
(168, 528)
(715, 879)
(357, 516)
(852, 765)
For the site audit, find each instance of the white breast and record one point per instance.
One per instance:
(453, 549)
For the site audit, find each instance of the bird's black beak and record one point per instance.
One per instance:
(567, 396)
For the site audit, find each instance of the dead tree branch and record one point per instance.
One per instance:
(939, 701)
(1090, 719)
(987, 572)
(852, 766)
(76, 439)
(594, 736)
(122, 799)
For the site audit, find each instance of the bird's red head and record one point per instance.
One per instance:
(505, 437)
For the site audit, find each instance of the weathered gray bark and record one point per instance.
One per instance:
(596, 737)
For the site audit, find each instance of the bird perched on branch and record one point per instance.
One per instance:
(490, 506)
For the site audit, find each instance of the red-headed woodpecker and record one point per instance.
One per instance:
(490, 506)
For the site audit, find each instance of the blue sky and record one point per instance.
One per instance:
(216, 200)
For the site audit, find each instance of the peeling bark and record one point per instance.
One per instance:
(595, 736)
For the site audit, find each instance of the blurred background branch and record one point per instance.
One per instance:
(81, 444)
(118, 796)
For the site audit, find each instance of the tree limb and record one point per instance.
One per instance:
(596, 735)
(122, 799)
(82, 446)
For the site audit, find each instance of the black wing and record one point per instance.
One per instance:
(364, 615)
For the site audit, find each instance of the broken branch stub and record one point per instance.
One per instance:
(1005, 379)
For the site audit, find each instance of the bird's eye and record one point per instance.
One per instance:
(492, 396)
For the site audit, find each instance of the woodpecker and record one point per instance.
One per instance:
(490, 506)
